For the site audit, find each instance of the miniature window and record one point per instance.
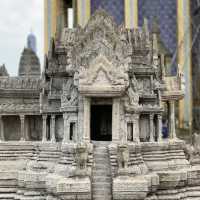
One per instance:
(72, 130)
(130, 131)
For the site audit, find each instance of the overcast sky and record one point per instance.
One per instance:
(17, 18)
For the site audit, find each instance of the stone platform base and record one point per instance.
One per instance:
(130, 188)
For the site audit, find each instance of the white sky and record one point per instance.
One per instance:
(17, 19)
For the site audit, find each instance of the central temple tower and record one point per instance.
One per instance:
(174, 18)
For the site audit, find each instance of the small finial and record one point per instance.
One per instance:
(145, 25)
(155, 26)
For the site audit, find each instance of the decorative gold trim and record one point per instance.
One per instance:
(184, 59)
(83, 8)
(131, 13)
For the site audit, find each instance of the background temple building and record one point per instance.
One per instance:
(176, 21)
(20, 97)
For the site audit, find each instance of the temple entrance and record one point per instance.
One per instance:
(101, 122)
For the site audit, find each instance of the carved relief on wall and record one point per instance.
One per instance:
(103, 75)
(132, 94)
(101, 36)
(20, 83)
(70, 93)
(144, 85)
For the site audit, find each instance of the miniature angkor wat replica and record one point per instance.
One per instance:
(91, 126)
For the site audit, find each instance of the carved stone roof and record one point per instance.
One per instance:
(161, 46)
(29, 63)
(174, 88)
(12, 108)
(103, 56)
(101, 36)
(20, 83)
(102, 78)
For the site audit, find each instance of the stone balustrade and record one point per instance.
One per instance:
(21, 83)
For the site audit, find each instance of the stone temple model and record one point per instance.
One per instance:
(91, 126)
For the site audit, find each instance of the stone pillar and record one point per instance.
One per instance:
(151, 129)
(66, 128)
(53, 123)
(80, 119)
(2, 138)
(127, 130)
(27, 122)
(75, 132)
(159, 128)
(136, 132)
(116, 119)
(44, 128)
(172, 129)
(22, 120)
(86, 118)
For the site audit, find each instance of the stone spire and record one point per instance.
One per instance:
(156, 30)
(29, 64)
(3, 70)
(32, 42)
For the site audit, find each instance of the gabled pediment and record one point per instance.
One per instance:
(101, 19)
(102, 77)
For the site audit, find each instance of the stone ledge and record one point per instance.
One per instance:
(127, 188)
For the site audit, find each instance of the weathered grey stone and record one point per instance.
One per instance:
(104, 83)
(130, 188)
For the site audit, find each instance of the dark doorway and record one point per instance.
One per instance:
(101, 122)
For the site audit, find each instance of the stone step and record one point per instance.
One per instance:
(100, 160)
(96, 197)
(100, 156)
(100, 147)
(101, 150)
(101, 166)
(96, 153)
(102, 179)
(101, 143)
(102, 192)
(101, 174)
(101, 184)
(101, 188)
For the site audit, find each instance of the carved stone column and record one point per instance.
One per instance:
(136, 132)
(80, 119)
(159, 128)
(53, 123)
(22, 120)
(66, 137)
(76, 132)
(86, 125)
(127, 131)
(151, 129)
(2, 138)
(44, 128)
(116, 119)
(172, 129)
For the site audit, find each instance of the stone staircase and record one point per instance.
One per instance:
(101, 176)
